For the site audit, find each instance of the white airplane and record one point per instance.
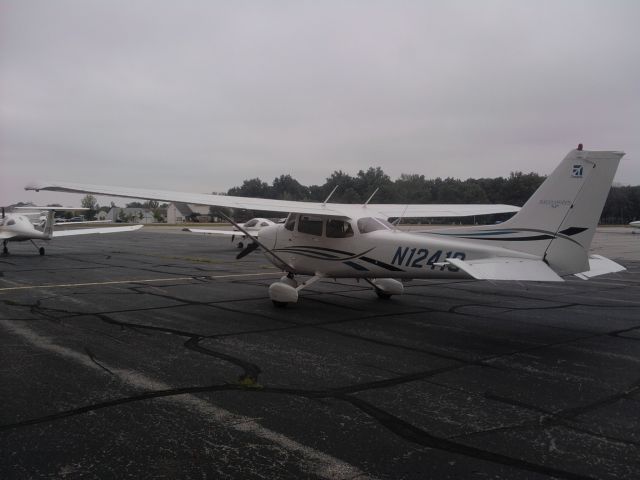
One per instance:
(19, 228)
(636, 226)
(547, 239)
(252, 226)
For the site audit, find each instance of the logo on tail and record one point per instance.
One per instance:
(577, 171)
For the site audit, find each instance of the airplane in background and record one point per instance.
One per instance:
(19, 228)
(636, 226)
(252, 226)
(548, 238)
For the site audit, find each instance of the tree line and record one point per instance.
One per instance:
(622, 205)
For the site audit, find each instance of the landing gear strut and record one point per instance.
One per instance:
(40, 249)
(5, 250)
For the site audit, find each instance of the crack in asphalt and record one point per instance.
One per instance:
(393, 423)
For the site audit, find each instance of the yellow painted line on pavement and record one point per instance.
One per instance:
(146, 280)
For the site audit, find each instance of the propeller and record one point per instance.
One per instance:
(247, 250)
(3, 212)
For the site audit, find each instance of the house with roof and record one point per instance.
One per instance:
(188, 212)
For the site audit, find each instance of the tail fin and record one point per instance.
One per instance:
(47, 228)
(560, 218)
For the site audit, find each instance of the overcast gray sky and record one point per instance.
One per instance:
(200, 95)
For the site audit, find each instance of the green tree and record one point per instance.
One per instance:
(252, 188)
(286, 187)
(90, 202)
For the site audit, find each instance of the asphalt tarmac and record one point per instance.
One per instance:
(155, 354)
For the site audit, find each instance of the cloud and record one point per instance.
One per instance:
(198, 96)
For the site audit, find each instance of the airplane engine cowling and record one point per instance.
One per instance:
(281, 292)
(389, 286)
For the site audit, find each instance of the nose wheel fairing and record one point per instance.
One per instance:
(285, 290)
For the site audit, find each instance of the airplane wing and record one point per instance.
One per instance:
(440, 210)
(284, 206)
(90, 231)
(6, 235)
(84, 222)
(209, 231)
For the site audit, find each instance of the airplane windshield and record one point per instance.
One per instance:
(370, 224)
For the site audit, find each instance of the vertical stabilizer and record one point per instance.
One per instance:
(560, 218)
(47, 228)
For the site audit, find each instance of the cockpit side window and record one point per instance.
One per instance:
(291, 221)
(370, 224)
(251, 223)
(11, 222)
(310, 225)
(338, 228)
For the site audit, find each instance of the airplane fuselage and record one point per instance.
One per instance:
(18, 228)
(384, 253)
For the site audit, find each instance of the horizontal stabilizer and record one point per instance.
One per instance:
(90, 231)
(507, 268)
(599, 265)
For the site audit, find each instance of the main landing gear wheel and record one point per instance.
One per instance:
(240, 245)
(385, 287)
(41, 250)
(382, 295)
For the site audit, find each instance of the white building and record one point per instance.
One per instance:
(130, 215)
(188, 212)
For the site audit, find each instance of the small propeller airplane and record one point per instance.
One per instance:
(19, 228)
(252, 226)
(548, 238)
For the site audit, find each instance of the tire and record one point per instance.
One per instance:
(382, 295)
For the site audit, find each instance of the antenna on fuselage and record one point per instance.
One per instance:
(372, 195)
(332, 192)
(397, 221)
